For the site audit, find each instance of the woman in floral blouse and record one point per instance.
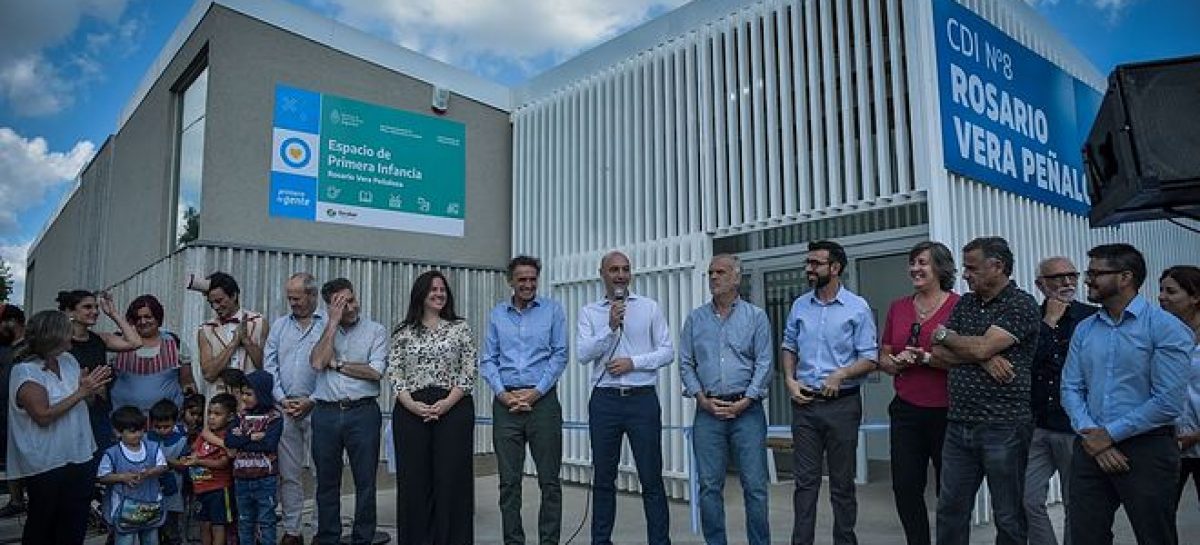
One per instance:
(432, 366)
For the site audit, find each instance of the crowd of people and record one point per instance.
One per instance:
(989, 384)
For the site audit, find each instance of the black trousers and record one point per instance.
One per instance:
(917, 434)
(1188, 468)
(435, 478)
(58, 505)
(1143, 491)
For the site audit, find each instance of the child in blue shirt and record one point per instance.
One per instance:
(133, 506)
(171, 436)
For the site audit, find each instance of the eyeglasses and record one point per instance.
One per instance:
(914, 334)
(1092, 273)
(1061, 276)
(814, 263)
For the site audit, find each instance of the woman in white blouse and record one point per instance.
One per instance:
(50, 439)
(432, 365)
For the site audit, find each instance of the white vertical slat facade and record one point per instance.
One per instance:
(758, 115)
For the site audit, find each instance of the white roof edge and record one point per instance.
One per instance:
(691, 17)
(695, 16)
(333, 34)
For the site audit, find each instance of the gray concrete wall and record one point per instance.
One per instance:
(69, 255)
(247, 58)
(122, 219)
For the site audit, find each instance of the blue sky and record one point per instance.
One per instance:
(67, 67)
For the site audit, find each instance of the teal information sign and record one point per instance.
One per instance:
(344, 161)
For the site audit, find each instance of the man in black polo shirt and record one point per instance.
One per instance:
(988, 345)
(1053, 438)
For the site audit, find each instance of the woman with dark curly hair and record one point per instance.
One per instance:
(160, 369)
(91, 349)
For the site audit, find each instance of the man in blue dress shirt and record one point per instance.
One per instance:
(725, 363)
(625, 339)
(1123, 386)
(829, 344)
(524, 354)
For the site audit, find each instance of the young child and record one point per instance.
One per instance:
(193, 422)
(209, 468)
(230, 381)
(170, 436)
(252, 440)
(133, 506)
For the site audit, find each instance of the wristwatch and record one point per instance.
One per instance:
(338, 365)
(940, 334)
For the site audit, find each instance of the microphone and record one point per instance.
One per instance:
(619, 294)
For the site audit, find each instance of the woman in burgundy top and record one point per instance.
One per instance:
(918, 413)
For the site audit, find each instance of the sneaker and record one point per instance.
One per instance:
(11, 510)
(289, 539)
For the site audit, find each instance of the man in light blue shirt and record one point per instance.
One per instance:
(829, 344)
(350, 359)
(725, 363)
(286, 357)
(1123, 387)
(524, 354)
(624, 338)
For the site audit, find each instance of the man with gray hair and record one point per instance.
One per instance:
(988, 345)
(286, 357)
(1053, 439)
(725, 364)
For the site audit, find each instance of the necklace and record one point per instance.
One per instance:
(924, 313)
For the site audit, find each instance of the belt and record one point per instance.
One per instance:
(515, 388)
(626, 391)
(346, 404)
(844, 392)
(732, 398)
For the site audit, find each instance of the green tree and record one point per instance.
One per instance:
(191, 226)
(6, 281)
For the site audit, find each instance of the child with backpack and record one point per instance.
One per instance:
(133, 506)
(253, 440)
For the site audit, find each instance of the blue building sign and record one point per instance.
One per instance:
(1010, 118)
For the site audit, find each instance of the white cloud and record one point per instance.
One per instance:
(28, 169)
(475, 34)
(34, 80)
(16, 256)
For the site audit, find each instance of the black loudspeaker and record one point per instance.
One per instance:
(1143, 153)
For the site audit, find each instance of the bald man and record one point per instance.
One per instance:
(625, 339)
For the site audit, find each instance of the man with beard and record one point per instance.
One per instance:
(286, 358)
(1053, 438)
(350, 359)
(988, 344)
(829, 344)
(625, 339)
(1123, 387)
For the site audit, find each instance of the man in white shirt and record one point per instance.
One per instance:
(625, 339)
(234, 338)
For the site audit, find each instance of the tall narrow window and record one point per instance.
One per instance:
(191, 159)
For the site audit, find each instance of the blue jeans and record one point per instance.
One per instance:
(712, 440)
(144, 537)
(355, 431)
(971, 452)
(256, 508)
(639, 417)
